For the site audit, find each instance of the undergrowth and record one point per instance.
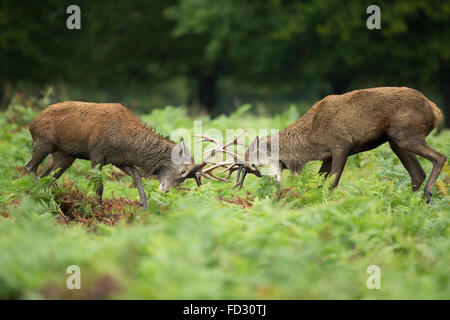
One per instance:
(295, 241)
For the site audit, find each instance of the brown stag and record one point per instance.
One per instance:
(339, 126)
(108, 133)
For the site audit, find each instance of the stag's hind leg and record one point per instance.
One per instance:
(418, 145)
(411, 164)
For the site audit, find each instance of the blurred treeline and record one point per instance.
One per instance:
(215, 55)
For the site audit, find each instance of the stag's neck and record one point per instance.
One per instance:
(149, 151)
(157, 158)
(296, 146)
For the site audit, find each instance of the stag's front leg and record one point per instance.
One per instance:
(134, 173)
(326, 167)
(275, 174)
(99, 191)
(339, 158)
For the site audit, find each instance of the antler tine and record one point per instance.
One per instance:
(211, 176)
(230, 165)
(240, 143)
(229, 168)
(207, 177)
(207, 138)
(232, 169)
(219, 146)
(235, 139)
(217, 178)
(217, 165)
(214, 150)
(222, 150)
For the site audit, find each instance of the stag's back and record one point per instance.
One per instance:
(78, 127)
(367, 115)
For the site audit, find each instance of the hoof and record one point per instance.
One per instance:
(428, 196)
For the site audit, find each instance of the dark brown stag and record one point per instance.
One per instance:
(339, 126)
(108, 133)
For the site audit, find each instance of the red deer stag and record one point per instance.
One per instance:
(339, 126)
(108, 133)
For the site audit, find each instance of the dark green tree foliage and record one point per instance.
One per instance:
(273, 44)
(278, 42)
(30, 39)
(120, 43)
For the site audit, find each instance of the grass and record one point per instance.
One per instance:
(297, 242)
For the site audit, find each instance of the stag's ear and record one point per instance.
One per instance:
(253, 150)
(181, 154)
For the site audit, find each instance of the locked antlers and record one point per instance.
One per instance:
(242, 167)
(230, 165)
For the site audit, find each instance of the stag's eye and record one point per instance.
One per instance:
(183, 171)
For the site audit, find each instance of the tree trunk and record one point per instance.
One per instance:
(204, 91)
(5, 94)
(340, 85)
(207, 93)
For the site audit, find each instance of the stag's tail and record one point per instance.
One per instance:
(436, 112)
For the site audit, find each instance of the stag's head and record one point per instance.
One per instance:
(182, 164)
(257, 155)
(182, 167)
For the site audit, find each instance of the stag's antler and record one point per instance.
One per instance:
(228, 164)
(236, 164)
